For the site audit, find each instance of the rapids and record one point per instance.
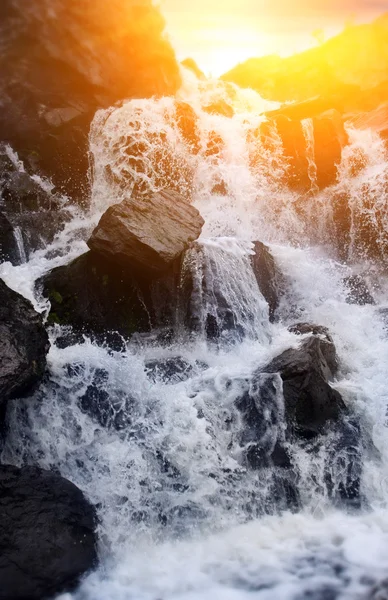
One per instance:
(180, 515)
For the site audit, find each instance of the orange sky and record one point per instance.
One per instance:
(220, 33)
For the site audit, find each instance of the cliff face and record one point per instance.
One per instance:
(61, 60)
(351, 69)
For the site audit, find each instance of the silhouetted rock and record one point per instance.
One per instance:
(358, 291)
(147, 233)
(268, 276)
(23, 346)
(47, 534)
(8, 246)
(60, 62)
(310, 402)
(94, 295)
(33, 208)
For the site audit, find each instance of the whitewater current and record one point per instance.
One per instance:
(180, 515)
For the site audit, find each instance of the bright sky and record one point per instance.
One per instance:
(218, 34)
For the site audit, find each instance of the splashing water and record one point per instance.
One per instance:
(152, 435)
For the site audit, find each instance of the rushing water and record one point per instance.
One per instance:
(181, 515)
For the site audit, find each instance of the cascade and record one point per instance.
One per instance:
(166, 458)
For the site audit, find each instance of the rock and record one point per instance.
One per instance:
(108, 407)
(23, 346)
(220, 107)
(187, 122)
(330, 138)
(268, 276)
(47, 537)
(147, 233)
(343, 468)
(214, 306)
(95, 296)
(358, 292)
(326, 342)
(262, 435)
(35, 211)
(168, 370)
(60, 64)
(295, 150)
(310, 402)
(8, 246)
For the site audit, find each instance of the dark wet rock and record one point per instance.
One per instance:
(47, 535)
(168, 370)
(262, 414)
(358, 291)
(20, 192)
(110, 408)
(60, 63)
(23, 346)
(110, 302)
(326, 342)
(32, 206)
(147, 233)
(343, 467)
(310, 402)
(38, 229)
(270, 280)
(220, 107)
(95, 295)
(8, 247)
(203, 305)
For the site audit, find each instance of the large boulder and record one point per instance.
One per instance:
(47, 534)
(61, 60)
(147, 233)
(95, 296)
(310, 402)
(23, 346)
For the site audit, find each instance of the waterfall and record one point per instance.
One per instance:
(154, 433)
(17, 233)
